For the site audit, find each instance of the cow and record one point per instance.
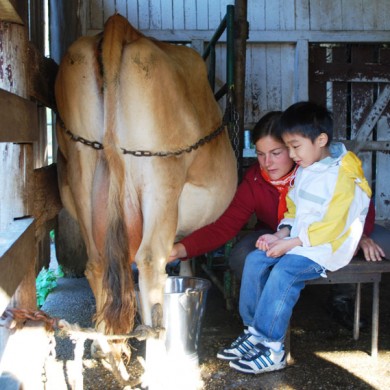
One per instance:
(144, 158)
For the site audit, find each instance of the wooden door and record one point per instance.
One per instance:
(352, 80)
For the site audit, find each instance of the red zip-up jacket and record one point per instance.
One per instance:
(253, 196)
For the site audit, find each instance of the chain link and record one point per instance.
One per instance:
(232, 117)
(146, 153)
(76, 138)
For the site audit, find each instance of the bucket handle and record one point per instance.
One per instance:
(183, 299)
(191, 291)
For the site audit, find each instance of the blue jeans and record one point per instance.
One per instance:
(270, 288)
(241, 250)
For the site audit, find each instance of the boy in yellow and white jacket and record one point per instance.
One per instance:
(320, 231)
(327, 207)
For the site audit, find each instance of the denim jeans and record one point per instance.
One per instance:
(270, 288)
(241, 250)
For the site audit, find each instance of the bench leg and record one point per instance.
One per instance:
(356, 318)
(287, 345)
(375, 320)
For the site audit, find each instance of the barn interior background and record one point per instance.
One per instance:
(334, 52)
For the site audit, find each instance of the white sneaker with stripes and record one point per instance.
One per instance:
(239, 347)
(260, 359)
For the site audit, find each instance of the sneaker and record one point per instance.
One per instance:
(260, 359)
(239, 347)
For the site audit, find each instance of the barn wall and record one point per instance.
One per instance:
(281, 36)
(280, 31)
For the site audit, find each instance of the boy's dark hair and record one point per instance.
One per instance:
(307, 119)
(267, 125)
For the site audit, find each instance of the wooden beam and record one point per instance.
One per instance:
(46, 195)
(367, 145)
(291, 36)
(18, 119)
(8, 13)
(352, 72)
(240, 36)
(271, 36)
(301, 71)
(41, 77)
(17, 243)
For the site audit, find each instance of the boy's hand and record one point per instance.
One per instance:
(280, 247)
(264, 241)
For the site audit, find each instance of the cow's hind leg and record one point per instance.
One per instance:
(160, 215)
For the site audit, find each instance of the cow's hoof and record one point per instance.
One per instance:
(96, 350)
(118, 350)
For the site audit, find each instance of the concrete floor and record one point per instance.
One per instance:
(324, 354)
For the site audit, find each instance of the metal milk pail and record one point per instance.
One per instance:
(184, 306)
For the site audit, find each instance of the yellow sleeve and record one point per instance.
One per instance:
(291, 209)
(333, 224)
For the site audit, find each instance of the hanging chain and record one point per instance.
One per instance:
(232, 117)
(146, 153)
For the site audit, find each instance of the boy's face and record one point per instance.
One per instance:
(305, 152)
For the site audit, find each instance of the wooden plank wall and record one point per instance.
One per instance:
(278, 48)
(161, 14)
(15, 158)
(275, 28)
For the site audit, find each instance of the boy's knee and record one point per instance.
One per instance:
(250, 260)
(253, 256)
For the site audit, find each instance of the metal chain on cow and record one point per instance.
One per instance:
(146, 153)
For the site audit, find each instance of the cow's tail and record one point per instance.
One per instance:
(118, 311)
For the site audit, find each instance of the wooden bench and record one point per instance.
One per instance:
(361, 271)
(358, 271)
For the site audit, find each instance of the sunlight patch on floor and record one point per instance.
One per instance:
(360, 364)
(169, 371)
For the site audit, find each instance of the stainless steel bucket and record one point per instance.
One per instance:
(184, 306)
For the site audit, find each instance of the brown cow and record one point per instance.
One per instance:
(117, 93)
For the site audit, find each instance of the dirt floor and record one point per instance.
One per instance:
(324, 354)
